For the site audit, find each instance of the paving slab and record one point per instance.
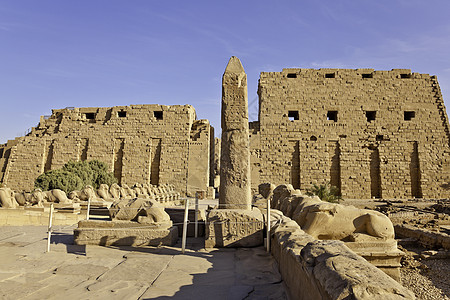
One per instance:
(95, 272)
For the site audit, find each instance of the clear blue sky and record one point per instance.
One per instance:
(59, 53)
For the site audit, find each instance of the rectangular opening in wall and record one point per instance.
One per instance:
(335, 168)
(403, 76)
(119, 144)
(295, 164)
(6, 158)
(293, 115)
(330, 75)
(48, 155)
(332, 115)
(122, 114)
(158, 115)
(370, 115)
(409, 115)
(414, 169)
(90, 116)
(155, 161)
(367, 75)
(291, 75)
(375, 173)
(84, 150)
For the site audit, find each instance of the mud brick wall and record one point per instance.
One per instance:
(381, 134)
(141, 143)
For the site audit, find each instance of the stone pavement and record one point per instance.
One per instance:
(94, 272)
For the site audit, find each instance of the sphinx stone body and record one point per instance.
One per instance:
(138, 209)
(57, 196)
(330, 221)
(7, 199)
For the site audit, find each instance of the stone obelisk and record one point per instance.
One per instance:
(235, 223)
(235, 189)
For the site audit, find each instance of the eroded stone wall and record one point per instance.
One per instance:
(370, 133)
(315, 269)
(153, 144)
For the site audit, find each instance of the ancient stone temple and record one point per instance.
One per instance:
(152, 144)
(370, 133)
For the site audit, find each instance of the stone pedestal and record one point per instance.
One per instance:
(74, 208)
(124, 233)
(234, 228)
(383, 254)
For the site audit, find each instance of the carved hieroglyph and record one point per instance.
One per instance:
(234, 224)
(235, 190)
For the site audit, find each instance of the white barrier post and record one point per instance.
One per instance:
(186, 212)
(88, 208)
(196, 215)
(268, 225)
(50, 227)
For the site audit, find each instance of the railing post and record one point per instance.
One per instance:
(186, 213)
(50, 227)
(196, 215)
(88, 208)
(268, 225)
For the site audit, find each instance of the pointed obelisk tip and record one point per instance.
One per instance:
(234, 66)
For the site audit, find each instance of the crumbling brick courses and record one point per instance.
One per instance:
(374, 133)
(141, 144)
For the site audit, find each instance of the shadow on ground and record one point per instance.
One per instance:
(113, 272)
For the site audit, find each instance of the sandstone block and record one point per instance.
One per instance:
(234, 228)
(124, 233)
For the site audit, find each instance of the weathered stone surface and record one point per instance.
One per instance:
(280, 192)
(325, 220)
(425, 237)
(314, 269)
(383, 254)
(7, 199)
(147, 144)
(136, 222)
(37, 216)
(266, 189)
(177, 217)
(57, 196)
(235, 191)
(368, 233)
(147, 210)
(343, 273)
(333, 221)
(365, 131)
(92, 272)
(234, 228)
(115, 233)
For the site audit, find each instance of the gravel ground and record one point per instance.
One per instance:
(428, 279)
(421, 285)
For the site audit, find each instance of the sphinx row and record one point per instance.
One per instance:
(366, 232)
(163, 194)
(325, 220)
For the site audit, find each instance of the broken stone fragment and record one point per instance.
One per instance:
(146, 210)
